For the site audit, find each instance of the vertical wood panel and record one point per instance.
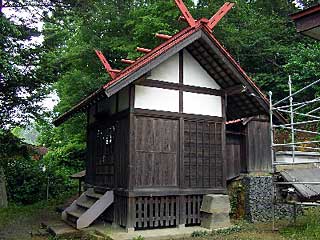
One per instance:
(156, 151)
(258, 152)
(233, 155)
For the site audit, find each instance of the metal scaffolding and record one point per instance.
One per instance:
(299, 114)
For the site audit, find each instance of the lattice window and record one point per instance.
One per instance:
(203, 163)
(104, 157)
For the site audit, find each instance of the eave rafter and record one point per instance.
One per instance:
(186, 16)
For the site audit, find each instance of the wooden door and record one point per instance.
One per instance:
(156, 151)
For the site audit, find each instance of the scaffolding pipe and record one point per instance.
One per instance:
(314, 110)
(315, 100)
(313, 148)
(301, 114)
(296, 163)
(297, 123)
(291, 117)
(302, 104)
(272, 161)
(297, 143)
(297, 92)
(289, 109)
(290, 183)
(301, 130)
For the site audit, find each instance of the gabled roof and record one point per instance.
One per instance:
(211, 55)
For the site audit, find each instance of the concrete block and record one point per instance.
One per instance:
(181, 226)
(215, 203)
(130, 230)
(215, 220)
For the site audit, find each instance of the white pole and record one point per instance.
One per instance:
(291, 118)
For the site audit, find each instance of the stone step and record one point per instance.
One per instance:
(71, 223)
(86, 202)
(76, 212)
(92, 194)
(61, 229)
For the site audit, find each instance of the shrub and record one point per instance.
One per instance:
(199, 234)
(138, 238)
(26, 180)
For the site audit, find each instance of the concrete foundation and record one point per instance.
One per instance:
(215, 211)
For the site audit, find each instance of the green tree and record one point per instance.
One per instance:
(259, 34)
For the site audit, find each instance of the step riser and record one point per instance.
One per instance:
(72, 219)
(87, 208)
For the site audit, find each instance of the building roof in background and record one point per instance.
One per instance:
(308, 21)
(306, 191)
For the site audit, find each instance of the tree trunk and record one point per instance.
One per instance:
(3, 191)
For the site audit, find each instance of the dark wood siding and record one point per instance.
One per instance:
(258, 146)
(235, 155)
(122, 153)
(156, 151)
(203, 159)
(107, 164)
(104, 155)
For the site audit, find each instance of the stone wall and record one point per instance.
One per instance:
(258, 200)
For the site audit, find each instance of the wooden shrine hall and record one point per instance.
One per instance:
(172, 127)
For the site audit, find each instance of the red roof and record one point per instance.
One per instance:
(156, 52)
(305, 12)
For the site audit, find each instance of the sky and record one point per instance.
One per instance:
(52, 99)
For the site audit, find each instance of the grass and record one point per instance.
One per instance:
(306, 228)
(16, 222)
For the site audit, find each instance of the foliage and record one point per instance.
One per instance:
(236, 195)
(307, 226)
(228, 231)
(20, 87)
(26, 180)
(138, 238)
(199, 233)
(259, 34)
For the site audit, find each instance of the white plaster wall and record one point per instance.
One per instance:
(202, 104)
(123, 103)
(156, 99)
(195, 75)
(168, 71)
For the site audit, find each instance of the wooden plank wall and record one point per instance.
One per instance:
(156, 151)
(258, 146)
(90, 161)
(234, 155)
(203, 160)
(121, 153)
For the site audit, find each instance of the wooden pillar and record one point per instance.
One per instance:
(131, 214)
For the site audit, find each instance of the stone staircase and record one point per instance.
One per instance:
(87, 208)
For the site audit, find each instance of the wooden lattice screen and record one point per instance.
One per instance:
(104, 149)
(166, 211)
(192, 209)
(203, 162)
(153, 212)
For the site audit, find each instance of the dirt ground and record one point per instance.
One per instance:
(21, 227)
